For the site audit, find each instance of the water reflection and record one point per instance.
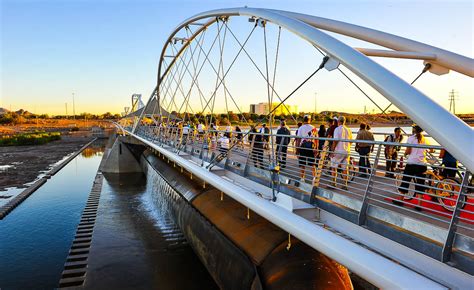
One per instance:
(93, 150)
(137, 244)
(35, 237)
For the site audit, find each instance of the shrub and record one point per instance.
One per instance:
(36, 138)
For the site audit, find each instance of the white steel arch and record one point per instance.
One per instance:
(451, 132)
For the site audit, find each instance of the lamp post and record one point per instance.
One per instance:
(73, 108)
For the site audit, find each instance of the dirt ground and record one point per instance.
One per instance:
(22, 164)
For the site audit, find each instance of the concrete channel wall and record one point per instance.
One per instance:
(18, 199)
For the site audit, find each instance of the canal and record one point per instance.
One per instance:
(35, 237)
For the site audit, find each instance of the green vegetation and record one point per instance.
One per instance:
(36, 138)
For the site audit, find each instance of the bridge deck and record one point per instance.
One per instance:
(425, 231)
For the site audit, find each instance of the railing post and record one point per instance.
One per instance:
(249, 155)
(201, 153)
(448, 244)
(365, 201)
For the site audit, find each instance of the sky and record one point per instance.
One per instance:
(104, 51)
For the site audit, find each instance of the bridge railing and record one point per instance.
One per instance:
(368, 176)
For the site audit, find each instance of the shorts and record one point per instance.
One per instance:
(340, 157)
(306, 157)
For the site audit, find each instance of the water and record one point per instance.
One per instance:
(36, 236)
(134, 238)
(137, 244)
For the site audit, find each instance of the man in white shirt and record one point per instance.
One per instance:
(306, 146)
(186, 131)
(201, 128)
(341, 151)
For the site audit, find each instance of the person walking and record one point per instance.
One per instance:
(341, 151)
(256, 140)
(391, 151)
(282, 140)
(416, 166)
(450, 164)
(265, 131)
(224, 143)
(364, 150)
(239, 137)
(306, 147)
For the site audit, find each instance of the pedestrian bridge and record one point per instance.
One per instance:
(355, 214)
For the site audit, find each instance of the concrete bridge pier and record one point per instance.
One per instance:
(119, 158)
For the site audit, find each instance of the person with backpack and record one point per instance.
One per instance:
(306, 146)
(282, 140)
(416, 166)
(364, 150)
(391, 151)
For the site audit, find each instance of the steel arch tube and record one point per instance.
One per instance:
(447, 59)
(455, 135)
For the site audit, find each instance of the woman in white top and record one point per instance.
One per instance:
(416, 165)
(224, 143)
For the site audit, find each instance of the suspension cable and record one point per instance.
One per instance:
(222, 155)
(226, 90)
(383, 111)
(272, 155)
(425, 69)
(195, 66)
(221, 70)
(258, 69)
(180, 76)
(231, 65)
(194, 79)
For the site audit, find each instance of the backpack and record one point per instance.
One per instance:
(307, 144)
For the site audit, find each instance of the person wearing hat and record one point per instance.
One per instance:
(416, 166)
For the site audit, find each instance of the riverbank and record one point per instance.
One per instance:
(20, 165)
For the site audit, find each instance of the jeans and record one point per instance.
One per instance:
(415, 170)
(281, 154)
(391, 161)
(364, 162)
(257, 156)
(447, 171)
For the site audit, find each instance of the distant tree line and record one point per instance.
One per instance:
(21, 117)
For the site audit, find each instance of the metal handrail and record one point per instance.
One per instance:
(375, 190)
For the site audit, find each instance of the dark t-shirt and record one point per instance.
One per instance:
(448, 158)
(330, 132)
(283, 140)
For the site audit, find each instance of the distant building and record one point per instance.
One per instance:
(264, 109)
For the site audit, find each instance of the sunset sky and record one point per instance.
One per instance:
(105, 50)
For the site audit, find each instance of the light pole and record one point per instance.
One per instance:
(66, 109)
(315, 102)
(73, 108)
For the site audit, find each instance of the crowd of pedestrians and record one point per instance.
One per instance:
(312, 148)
